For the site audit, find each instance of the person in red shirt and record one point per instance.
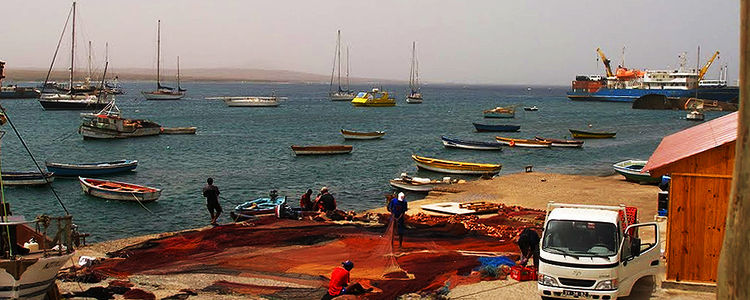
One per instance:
(305, 203)
(339, 284)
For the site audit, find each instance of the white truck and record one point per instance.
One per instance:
(592, 252)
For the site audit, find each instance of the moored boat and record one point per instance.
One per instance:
(695, 116)
(580, 134)
(500, 112)
(418, 184)
(27, 178)
(561, 143)
(259, 206)
(531, 108)
(361, 135)
(374, 98)
(115, 190)
(523, 142)
(496, 128)
(250, 101)
(415, 94)
(97, 168)
(163, 92)
(473, 145)
(455, 167)
(340, 94)
(178, 130)
(19, 92)
(107, 124)
(631, 169)
(322, 149)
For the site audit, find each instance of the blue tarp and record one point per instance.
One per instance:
(496, 261)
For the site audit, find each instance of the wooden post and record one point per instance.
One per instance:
(734, 264)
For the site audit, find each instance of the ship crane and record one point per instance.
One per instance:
(606, 62)
(707, 65)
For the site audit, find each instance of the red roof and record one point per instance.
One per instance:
(694, 140)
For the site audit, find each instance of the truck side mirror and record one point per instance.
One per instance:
(635, 246)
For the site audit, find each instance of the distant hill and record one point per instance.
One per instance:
(213, 74)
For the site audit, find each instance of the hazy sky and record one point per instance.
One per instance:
(470, 41)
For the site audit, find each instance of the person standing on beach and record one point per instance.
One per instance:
(528, 241)
(398, 208)
(211, 192)
(305, 203)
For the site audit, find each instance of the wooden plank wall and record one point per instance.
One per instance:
(719, 160)
(695, 227)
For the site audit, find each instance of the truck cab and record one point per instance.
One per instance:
(594, 252)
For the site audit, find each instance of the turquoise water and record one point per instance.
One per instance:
(246, 150)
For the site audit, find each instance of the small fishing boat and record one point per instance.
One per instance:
(418, 184)
(500, 112)
(97, 168)
(115, 190)
(473, 145)
(27, 178)
(523, 142)
(580, 134)
(360, 135)
(496, 128)
(455, 167)
(250, 101)
(19, 92)
(695, 116)
(561, 143)
(178, 130)
(107, 124)
(259, 206)
(322, 149)
(532, 108)
(374, 98)
(631, 169)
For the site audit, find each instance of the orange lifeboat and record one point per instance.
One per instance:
(625, 73)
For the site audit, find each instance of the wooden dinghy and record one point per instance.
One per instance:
(360, 135)
(322, 149)
(631, 169)
(580, 134)
(115, 190)
(496, 128)
(466, 208)
(418, 184)
(561, 143)
(523, 142)
(455, 167)
(27, 178)
(97, 168)
(178, 130)
(473, 145)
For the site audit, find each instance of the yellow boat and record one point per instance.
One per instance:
(375, 98)
(455, 167)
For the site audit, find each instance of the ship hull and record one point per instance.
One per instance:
(724, 94)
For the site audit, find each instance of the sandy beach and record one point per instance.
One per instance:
(530, 190)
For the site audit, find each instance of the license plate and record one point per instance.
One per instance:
(577, 294)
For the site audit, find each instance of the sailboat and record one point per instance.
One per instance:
(70, 100)
(340, 94)
(164, 92)
(415, 97)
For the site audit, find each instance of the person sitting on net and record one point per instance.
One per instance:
(339, 284)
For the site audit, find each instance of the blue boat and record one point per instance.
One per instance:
(473, 145)
(496, 128)
(263, 205)
(97, 168)
(725, 94)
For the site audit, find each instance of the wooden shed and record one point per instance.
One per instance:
(700, 161)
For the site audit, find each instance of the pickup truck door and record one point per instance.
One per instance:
(636, 263)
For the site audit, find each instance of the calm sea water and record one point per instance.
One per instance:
(246, 150)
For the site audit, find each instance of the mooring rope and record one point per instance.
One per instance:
(5, 208)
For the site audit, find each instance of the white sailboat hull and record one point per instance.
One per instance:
(252, 102)
(411, 100)
(162, 96)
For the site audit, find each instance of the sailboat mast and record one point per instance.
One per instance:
(158, 54)
(89, 60)
(411, 69)
(72, 49)
(338, 51)
(178, 74)
(333, 69)
(347, 68)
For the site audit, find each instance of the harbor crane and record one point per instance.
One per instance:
(606, 62)
(707, 65)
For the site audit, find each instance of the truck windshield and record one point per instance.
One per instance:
(580, 238)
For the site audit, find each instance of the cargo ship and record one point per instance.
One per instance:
(627, 85)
